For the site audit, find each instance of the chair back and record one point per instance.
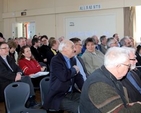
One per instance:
(16, 95)
(44, 88)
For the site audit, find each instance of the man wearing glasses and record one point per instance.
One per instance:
(10, 72)
(103, 92)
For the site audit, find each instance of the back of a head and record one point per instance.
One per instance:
(115, 56)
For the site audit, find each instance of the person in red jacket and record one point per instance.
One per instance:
(29, 65)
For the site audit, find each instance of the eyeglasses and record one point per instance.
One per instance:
(128, 65)
(134, 59)
(79, 44)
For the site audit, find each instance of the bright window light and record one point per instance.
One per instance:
(138, 24)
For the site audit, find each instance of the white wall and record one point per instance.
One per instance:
(1, 20)
(51, 16)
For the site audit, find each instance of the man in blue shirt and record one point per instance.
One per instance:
(64, 73)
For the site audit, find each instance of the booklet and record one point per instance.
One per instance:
(38, 74)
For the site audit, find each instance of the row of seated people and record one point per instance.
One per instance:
(64, 74)
(42, 49)
(69, 52)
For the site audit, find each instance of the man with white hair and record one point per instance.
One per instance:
(63, 75)
(102, 91)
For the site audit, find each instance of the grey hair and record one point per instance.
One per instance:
(129, 50)
(63, 45)
(115, 56)
(122, 41)
(110, 41)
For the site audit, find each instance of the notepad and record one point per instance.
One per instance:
(38, 74)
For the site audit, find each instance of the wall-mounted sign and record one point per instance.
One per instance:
(90, 7)
(23, 13)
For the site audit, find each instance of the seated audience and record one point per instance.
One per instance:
(44, 49)
(53, 50)
(83, 47)
(96, 40)
(102, 91)
(35, 49)
(12, 50)
(29, 65)
(16, 40)
(63, 75)
(112, 42)
(132, 41)
(21, 43)
(29, 42)
(92, 58)
(50, 40)
(116, 37)
(79, 62)
(103, 44)
(125, 41)
(10, 72)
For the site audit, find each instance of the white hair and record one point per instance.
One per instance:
(63, 45)
(129, 49)
(115, 56)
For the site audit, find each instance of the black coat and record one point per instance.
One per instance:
(60, 80)
(6, 74)
(37, 54)
(133, 94)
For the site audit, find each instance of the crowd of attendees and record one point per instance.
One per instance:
(99, 75)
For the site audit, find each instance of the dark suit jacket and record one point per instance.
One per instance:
(6, 75)
(83, 65)
(50, 55)
(37, 54)
(44, 49)
(133, 94)
(61, 78)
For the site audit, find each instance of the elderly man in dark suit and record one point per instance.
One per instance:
(63, 75)
(10, 72)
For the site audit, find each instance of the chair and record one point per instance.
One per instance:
(44, 87)
(16, 95)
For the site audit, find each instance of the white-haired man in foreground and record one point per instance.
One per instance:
(102, 91)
